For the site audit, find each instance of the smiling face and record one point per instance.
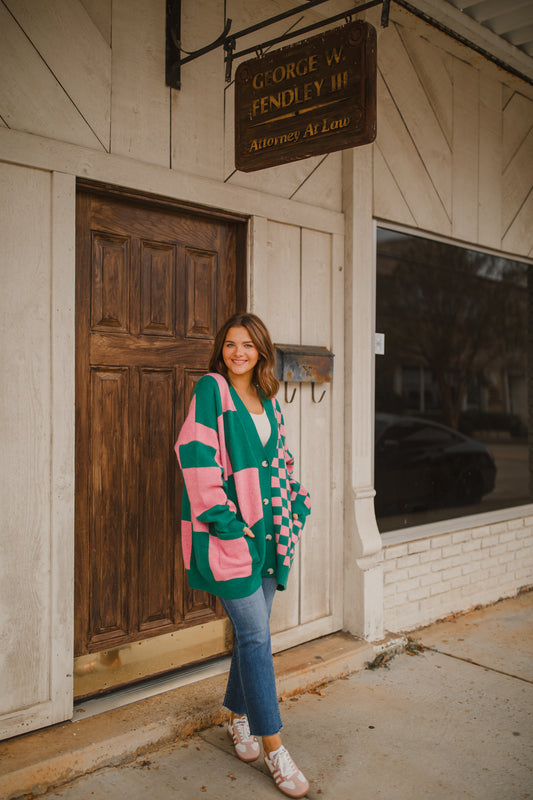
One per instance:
(239, 353)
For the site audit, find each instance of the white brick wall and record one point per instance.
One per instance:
(428, 578)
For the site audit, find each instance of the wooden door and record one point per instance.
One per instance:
(154, 283)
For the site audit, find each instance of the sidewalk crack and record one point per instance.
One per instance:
(477, 664)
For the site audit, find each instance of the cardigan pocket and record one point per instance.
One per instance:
(229, 558)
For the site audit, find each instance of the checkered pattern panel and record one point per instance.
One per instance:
(287, 530)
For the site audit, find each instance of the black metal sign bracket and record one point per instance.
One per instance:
(174, 50)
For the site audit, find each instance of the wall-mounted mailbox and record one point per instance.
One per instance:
(303, 364)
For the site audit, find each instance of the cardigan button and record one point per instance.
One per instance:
(265, 501)
(270, 571)
(268, 537)
(264, 464)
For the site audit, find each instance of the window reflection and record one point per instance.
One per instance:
(451, 390)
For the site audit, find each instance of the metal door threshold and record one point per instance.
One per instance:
(149, 688)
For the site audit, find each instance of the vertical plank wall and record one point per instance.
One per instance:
(92, 74)
(82, 92)
(55, 72)
(37, 431)
(296, 287)
(315, 180)
(25, 603)
(140, 101)
(455, 133)
(454, 150)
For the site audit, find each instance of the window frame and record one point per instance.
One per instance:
(467, 522)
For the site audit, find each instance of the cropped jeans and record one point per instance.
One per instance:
(251, 688)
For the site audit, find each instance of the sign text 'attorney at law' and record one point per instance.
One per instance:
(313, 97)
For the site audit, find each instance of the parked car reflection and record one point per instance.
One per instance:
(421, 465)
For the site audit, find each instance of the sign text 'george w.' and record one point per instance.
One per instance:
(313, 97)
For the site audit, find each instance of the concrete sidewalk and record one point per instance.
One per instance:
(452, 721)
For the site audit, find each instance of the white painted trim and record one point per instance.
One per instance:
(258, 267)
(474, 32)
(303, 633)
(337, 428)
(28, 150)
(57, 702)
(62, 314)
(423, 234)
(363, 549)
(432, 529)
(457, 523)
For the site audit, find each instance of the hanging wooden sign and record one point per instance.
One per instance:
(313, 97)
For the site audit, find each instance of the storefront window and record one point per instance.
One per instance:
(452, 408)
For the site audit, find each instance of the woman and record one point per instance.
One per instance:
(242, 516)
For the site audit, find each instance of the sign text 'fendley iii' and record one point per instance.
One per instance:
(313, 97)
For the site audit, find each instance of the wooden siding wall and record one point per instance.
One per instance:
(37, 432)
(82, 93)
(297, 284)
(24, 344)
(454, 150)
(91, 72)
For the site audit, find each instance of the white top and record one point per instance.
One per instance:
(262, 423)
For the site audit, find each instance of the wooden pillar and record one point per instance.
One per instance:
(363, 578)
(530, 374)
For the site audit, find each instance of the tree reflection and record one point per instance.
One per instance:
(454, 311)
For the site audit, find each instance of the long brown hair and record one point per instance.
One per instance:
(263, 376)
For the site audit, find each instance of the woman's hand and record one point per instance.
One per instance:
(251, 534)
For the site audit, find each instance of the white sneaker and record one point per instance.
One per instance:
(287, 777)
(246, 745)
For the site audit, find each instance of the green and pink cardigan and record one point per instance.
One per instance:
(231, 481)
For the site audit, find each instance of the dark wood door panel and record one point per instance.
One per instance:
(202, 281)
(143, 222)
(200, 606)
(109, 284)
(158, 293)
(152, 287)
(109, 525)
(149, 351)
(157, 475)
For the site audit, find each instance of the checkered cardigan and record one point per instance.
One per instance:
(232, 481)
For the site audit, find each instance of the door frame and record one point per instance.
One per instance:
(42, 670)
(171, 204)
(155, 202)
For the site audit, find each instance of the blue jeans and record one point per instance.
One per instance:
(251, 688)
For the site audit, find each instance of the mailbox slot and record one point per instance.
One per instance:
(303, 364)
